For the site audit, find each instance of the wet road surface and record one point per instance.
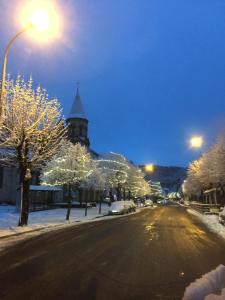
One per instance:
(151, 255)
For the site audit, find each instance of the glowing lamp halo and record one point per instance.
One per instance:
(149, 168)
(44, 19)
(196, 141)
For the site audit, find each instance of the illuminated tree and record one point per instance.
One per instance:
(70, 167)
(95, 183)
(208, 171)
(31, 132)
(115, 168)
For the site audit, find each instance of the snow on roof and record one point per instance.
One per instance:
(45, 188)
(77, 110)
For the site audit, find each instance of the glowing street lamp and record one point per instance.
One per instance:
(42, 17)
(196, 142)
(149, 168)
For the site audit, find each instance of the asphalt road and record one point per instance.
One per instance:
(151, 255)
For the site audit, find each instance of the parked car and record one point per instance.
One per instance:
(148, 202)
(122, 207)
(222, 216)
(130, 205)
(163, 202)
(187, 203)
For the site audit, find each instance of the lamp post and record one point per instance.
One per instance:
(40, 16)
(5, 62)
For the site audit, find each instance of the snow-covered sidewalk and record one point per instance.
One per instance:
(212, 221)
(42, 219)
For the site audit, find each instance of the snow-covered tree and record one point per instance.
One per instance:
(95, 183)
(31, 132)
(208, 171)
(215, 164)
(193, 185)
(135, 183)
(71, 166)
(121, 175)
(115, 167)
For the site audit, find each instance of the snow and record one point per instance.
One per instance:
(212, 221)
(207, 286)
(45, 188)
(41, 219)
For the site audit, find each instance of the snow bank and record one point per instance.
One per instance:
(9, 218)
(204, 288)
(212, 221)
(216, 297)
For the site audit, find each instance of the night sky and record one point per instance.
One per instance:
(151, 72)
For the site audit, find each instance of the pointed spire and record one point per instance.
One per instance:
(77, 110)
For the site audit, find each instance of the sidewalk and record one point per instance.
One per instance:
(212, 222)
(44, 219)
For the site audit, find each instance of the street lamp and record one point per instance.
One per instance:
(5, 62)
(196, 142)
(40, 17)
(149, 168)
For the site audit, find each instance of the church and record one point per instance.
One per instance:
(77, 123)
(42, 196)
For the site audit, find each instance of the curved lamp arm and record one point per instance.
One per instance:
(5, 62)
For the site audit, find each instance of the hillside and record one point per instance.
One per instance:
(170, 177)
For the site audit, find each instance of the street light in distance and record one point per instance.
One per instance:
(149, 168)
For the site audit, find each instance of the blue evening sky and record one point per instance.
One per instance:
(151, 72)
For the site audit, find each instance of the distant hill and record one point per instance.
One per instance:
(170, 177)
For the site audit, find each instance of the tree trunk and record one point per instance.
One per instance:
(124, 194)
(129, 194)
(110, 195)
(118, 193)
(100, 204)
(24, 202)
(86, 206)
(69, 204)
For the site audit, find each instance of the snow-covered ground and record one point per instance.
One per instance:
(210, 286)
(53, 217)
(212, 221)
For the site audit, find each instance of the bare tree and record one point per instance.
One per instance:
(31, 132)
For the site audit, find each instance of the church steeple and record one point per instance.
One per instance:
(77, 122)
(77, 110)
